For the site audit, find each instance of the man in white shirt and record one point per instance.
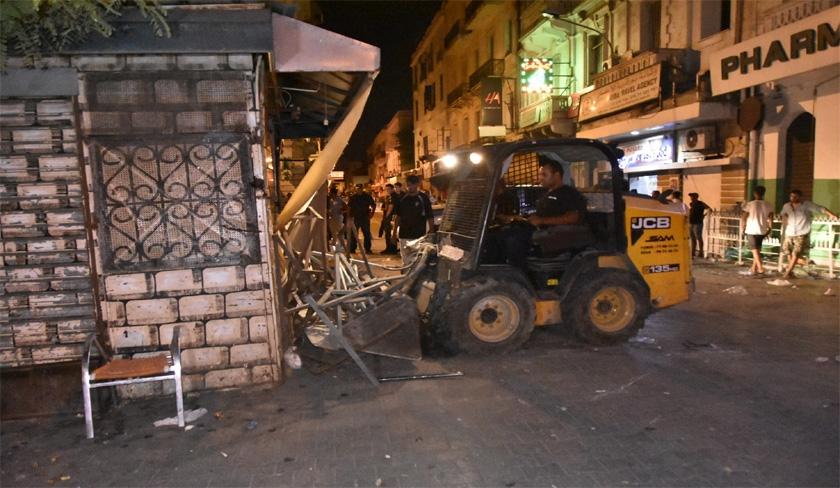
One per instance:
(756, 220)
(796, 225)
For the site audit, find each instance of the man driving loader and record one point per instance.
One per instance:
(561, 205)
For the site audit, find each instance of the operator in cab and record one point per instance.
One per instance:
(561, 205)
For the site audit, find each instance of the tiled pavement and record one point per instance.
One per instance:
(730, 394)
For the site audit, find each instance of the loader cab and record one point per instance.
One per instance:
(493, 186)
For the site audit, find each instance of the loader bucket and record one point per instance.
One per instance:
(390, 329)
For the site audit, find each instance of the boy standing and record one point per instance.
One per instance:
(756, 220)
(796, 223)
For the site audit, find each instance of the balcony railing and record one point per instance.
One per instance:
(457, 94)
(493, 67)
(472, 9)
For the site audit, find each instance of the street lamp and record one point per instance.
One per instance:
(555, 16)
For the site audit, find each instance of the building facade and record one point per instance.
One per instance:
(464, 78)
(391, 151)
(645, 75)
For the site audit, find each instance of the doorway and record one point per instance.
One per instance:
(799, 155)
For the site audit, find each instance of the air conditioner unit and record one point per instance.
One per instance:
(695, 142)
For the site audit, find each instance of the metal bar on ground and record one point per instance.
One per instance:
(341, 339)
(431, 376)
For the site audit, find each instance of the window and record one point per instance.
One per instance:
(414, 76)
(431, 58)
(491, 46)
(423, 71)
(651, 20)
(477, 122)
(466, 131)
(509, 37)
(429, 98)
(175, 202)
(440, 88)
(715, 16)
(425, 145)
(594, 58)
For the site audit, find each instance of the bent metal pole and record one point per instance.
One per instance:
(327, 158)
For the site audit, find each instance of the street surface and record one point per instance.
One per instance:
(725, 390)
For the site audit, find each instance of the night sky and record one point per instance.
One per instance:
(395, 27)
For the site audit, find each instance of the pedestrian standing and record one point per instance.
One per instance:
(756, 220)
(676, 197)
(386, 227)
(336, 208)
(361, 206)
(413, 218)
(796, 225)
(697, 211)
(655, 194)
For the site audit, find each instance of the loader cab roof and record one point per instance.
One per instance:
(497, 157)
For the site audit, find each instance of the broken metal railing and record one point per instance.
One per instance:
(339, 303)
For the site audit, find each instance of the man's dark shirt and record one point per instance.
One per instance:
(696, 211)
(414, 211)
(392, 201)
(560, 201)
(361, 205)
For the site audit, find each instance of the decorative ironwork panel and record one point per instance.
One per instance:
(175, 203)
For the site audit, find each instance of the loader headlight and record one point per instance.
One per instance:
(476, 158)
(449, 160)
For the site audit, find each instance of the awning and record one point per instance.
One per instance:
(673, 118)
(323, 85)
(319, 72)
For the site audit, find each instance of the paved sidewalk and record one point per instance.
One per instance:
(725, 390)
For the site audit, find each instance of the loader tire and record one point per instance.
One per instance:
(488, 316)
(607, 307)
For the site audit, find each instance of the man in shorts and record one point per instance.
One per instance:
(756, 219)
(796, 225)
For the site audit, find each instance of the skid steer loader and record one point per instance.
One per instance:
(602, 278)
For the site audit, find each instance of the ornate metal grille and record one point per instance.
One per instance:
(175, 203)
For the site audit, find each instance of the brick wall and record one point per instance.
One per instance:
(192, 252)
(179, 238)
(46, 305)
(223, 312)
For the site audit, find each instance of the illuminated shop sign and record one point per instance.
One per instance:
(646, 152)
(536, 75)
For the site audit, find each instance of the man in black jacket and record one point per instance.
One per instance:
(413, 217)
(362, 207)
(386, 227)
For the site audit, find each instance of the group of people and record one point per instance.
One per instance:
(756, 220)
(406, 216)
(796, 215)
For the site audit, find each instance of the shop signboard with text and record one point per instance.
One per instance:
(492, 122)
(809, 44)
(637, 88)
(654, 152)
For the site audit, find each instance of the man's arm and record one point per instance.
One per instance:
(430, 220)
(829, 213)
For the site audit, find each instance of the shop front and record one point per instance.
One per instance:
(673, 138)
(793, 69)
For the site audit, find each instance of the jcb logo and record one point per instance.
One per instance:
(650, 223)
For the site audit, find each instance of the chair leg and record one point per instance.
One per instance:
(179, 399)
(88, 409)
